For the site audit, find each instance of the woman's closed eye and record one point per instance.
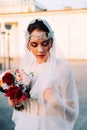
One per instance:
(34, 44)
(46, 43)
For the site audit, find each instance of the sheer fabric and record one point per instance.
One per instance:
(54, 102)
(54, 99)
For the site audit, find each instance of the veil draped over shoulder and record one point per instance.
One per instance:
(55, 73)
(47, 70)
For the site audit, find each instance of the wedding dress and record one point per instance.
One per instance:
(57, 112)
(54, 99)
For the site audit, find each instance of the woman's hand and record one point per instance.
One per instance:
(12, 103)
(18, 105)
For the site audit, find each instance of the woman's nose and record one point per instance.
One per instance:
(40, 48)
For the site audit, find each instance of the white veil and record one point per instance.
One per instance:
(48, 69)
(48, 73)
(29, 63)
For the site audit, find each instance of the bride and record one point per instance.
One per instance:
(53, 102)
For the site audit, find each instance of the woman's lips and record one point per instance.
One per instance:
(41, 56)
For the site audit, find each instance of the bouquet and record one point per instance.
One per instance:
(16, 85)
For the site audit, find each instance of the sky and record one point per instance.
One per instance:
(61, 4)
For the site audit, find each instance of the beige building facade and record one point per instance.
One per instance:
(70, 30)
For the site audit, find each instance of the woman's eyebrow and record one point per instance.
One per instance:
(33, 42)
(45, 40)
(37, 42)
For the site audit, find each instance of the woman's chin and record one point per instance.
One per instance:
(41, 59)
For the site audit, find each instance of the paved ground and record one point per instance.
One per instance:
(80, 71)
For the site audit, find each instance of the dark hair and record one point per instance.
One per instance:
(38, 24)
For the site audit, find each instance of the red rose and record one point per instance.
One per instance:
(15, 93)
(8, 78)
(24, 97)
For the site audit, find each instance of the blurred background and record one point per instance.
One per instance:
(68, 19)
